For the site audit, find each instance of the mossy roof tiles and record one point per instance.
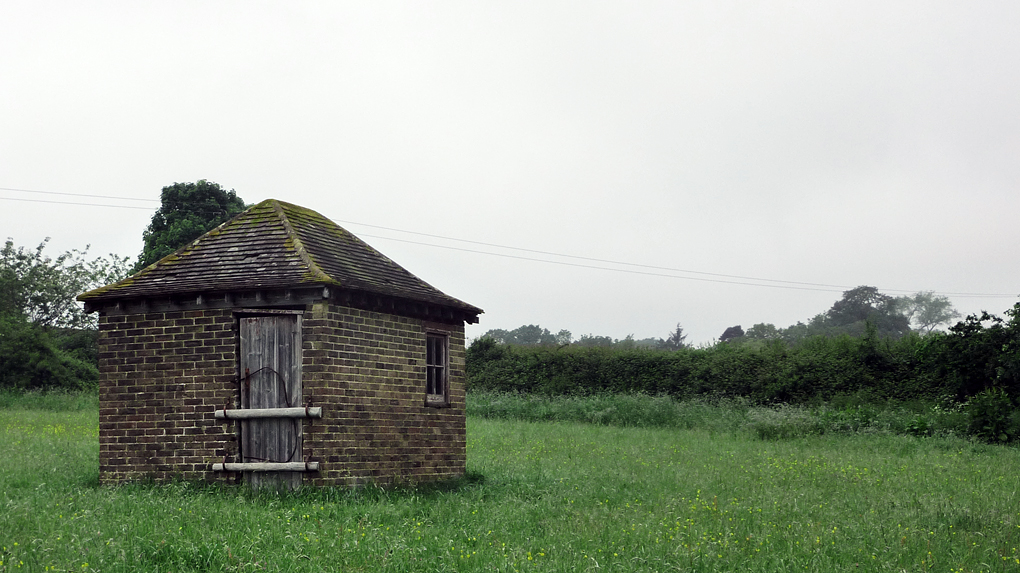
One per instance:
(275, 245)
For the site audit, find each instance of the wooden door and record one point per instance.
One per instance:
(270, 368)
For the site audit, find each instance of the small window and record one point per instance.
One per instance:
(436, 365)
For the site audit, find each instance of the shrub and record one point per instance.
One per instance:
(993, 417)
(32, 360)
(818, 369)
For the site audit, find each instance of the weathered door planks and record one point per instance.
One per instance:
(270, 368)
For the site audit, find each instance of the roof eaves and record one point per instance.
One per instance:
(171, 259)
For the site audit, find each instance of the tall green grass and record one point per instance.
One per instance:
(52, 400)
(625, 410)
(540, 496)
(781, 421)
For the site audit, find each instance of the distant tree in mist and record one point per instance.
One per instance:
(763, 331)
(890, 316)
(593, 341)
(676, 339)
(926, 311)
(534, 335)
(865, 304)
(529, 335)
(731, 333)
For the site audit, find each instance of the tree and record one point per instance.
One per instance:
(865, 304)
(529, 335)
(676, 339)
(497, 335)
(42, 290)
(763, 331)
(46, 339)
(188, 211)
(926, 311)
(593, 341)
(650, 343)
(731, 333)
(626, 343)
(978, 353)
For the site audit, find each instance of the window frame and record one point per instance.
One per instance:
(437, 366)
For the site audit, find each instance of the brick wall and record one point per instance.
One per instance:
(161, 376)
(367, 370)
(164, 374)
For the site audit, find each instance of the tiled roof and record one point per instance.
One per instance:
(275, 245)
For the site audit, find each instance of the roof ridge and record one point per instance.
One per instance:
(299, 246)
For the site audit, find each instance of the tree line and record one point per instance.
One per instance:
(856, 311)
(534, 335)
(868, 345)
(974, 365)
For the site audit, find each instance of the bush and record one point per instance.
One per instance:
(819, 369)
(993, 417)
(32, 360)
(976, 354)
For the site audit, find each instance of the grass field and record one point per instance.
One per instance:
(540, 496)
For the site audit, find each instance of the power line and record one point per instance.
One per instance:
(79, 195)
(834, 288)
(737, 279)
(608, 261)
(73, 203)
(824, 287)
(91, 204)
(583, 266)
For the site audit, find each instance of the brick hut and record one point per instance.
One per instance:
(279, 349)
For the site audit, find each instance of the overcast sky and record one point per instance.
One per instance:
(828, 143)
